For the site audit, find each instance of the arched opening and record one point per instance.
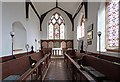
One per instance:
(20, 38)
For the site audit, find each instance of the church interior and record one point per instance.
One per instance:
(55, 40)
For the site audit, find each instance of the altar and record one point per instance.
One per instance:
(57, 51)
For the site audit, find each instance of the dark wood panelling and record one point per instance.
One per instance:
(59, 41)
(20, 65)
(7, 58)
(27, 9)
(109, 69)
(86, 9)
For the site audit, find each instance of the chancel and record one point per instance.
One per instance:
(70, 40)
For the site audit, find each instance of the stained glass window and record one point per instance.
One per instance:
(51, 31)
(56, 27)
(112, 24)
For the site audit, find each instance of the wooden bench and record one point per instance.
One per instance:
(106, 57)
(10, 57)
(89, 68)
(109, 69)
(15, 67)
(83, 75)
(96, 74)
(19, 65)
(38, 75)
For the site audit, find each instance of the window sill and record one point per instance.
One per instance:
(109, 53)
(113, 50)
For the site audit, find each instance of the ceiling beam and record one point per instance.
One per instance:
(78, 10)
(56, 3)
(68, 14)
(34, 10)
(28, 2)
(43, 16)
(27, 9)
(85, 4)
(86, 9)
(70, 17)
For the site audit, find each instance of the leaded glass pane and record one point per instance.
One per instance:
(56, 16)
(51, 31)
(56, 27)
(83, 29)
(113, 24)
(53, 21)
(52, 17)
(59, 21)
(56, 31)
(49, 21)
(62, 31)
(61, 17)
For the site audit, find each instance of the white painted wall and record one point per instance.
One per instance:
(77, 25)
(20, 39)
(68, 26)
(0, 36)
(92, 19)
(101, 27)
(12, 12)
(33, 29)
(15, 11)
(0, 27)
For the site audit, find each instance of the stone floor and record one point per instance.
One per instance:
(58, 70)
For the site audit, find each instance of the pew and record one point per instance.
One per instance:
(7, 58)
(106, 57)
(76, 71)
(21, 65)
(110, 58)
(47, 50)
(39, 72)
(15, 66)
(71, 53)
(103, 67)
(109, 69)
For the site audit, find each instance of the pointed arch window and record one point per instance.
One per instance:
(56, 27)
(81, 28)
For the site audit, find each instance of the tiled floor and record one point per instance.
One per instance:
(58, 70)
